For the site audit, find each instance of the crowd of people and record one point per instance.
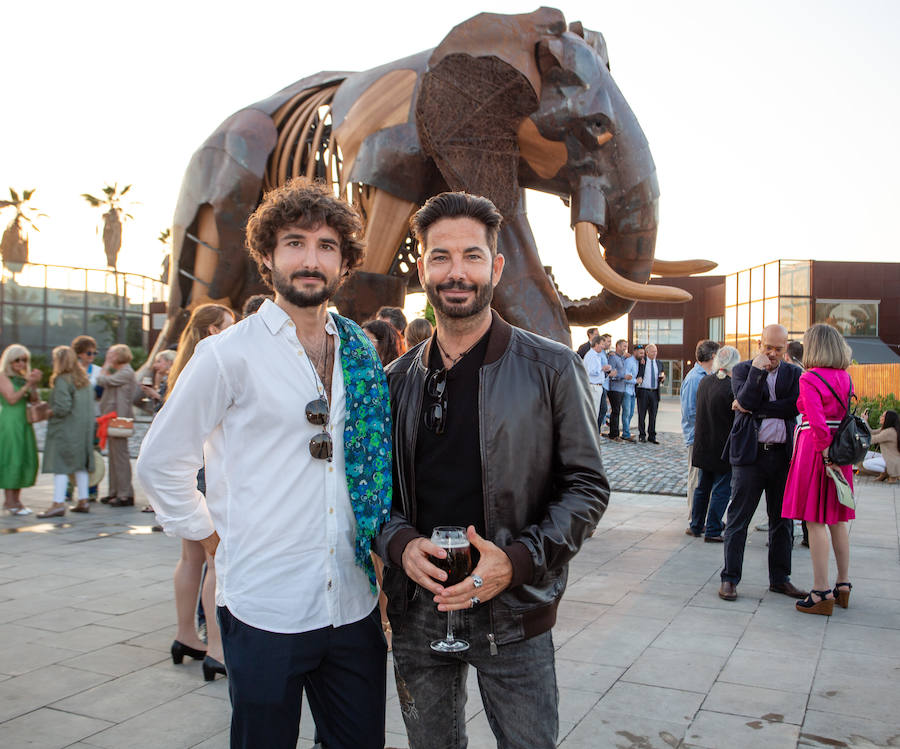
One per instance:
(304, 565)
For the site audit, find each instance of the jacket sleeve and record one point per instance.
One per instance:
(786, 407)
(124, 376)
(750, 387)
(883, 435)
(581, 490)
(61, 399)
(814, 410)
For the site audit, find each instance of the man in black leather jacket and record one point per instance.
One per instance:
(493, 432)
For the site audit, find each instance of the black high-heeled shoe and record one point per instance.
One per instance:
(211, 667)
(179, 650)
(823, 606)
(842, 596)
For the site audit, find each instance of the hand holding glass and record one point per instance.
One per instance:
(457, 564)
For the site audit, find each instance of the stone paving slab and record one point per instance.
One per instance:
(647, 654)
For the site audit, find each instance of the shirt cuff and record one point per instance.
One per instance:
(398, 544)
(522, 564)
(195, 527)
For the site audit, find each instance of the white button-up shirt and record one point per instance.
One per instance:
(285, 561)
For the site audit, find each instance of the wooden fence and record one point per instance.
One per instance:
(870, 380)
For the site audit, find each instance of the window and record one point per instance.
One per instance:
(795, 279)
(794, 315)
(716, 329)
(654, 330)
(850, 316)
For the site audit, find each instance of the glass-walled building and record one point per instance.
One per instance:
(42, 306)
(777, 292)
(862, 300)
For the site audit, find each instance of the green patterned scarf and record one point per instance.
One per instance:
(367, 439)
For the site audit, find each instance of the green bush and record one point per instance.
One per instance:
(43, 363)
(878, 405)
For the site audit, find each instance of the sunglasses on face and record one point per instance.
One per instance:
(20, 360)
(436, 413)
(320, 446)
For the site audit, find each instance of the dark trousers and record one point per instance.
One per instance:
(710, 500)
(768, 474)
(604, 406)
(615, 408)
(647, 406)
(341, 668)
(517, 681)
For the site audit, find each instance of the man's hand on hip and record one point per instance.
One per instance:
(494, 570)
(418, 566)
(210, 543)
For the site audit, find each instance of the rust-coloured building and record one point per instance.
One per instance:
(860, 299)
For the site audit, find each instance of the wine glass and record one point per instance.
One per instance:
(457, 564)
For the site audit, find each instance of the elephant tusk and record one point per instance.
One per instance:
(588, 244)
(681, 267)
(605, 138)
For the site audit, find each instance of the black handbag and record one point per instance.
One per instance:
(852, 438)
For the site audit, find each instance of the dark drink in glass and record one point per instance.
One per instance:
(457, 564)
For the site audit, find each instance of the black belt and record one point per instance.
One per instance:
(767, 446)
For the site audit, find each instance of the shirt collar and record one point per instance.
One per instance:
(276, 318)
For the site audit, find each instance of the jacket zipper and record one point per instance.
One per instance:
(484, 493)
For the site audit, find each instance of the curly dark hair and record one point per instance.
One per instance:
(306, 204)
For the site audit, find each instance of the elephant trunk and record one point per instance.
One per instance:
(624, 262)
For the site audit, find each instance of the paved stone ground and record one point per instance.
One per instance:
(647, 654)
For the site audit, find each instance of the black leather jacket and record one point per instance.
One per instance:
(544, 485)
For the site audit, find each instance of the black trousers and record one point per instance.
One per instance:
(341, 668)
(768, 474)
(604, 406)
(647, 406)
(615, 408)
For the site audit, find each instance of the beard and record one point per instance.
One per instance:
(483, 296)
(285, 287)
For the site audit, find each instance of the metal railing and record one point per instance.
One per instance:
(42, 305)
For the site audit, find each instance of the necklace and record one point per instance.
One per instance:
(322, 366)
(455, 359)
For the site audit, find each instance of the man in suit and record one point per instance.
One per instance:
(589, 343)
(647, 392)
(759, 447)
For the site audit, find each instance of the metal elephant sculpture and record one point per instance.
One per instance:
(504, 103)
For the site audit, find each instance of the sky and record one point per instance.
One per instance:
(773, 125)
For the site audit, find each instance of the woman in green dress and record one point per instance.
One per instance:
(18, 448)
(69, 447)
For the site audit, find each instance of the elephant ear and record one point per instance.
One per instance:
(468, 113)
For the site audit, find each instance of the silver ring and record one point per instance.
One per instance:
(477, 581)
(475, 601)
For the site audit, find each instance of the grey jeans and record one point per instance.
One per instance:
(517, 685)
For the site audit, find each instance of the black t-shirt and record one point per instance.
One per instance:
(449, 490)
(584, 348)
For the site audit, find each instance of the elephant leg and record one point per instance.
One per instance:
(525, 295)
(387, 223)
(205, 257)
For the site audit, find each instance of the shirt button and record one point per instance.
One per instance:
(330, 510)
(331, 550)
(330, 469)
(329, 585)
(299, 353)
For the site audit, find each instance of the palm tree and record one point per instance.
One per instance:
(14, 244)
(113, 219)
(165, 237)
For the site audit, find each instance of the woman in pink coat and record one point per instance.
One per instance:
(810, 494)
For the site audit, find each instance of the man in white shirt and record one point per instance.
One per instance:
(594, 362)
(289, 409)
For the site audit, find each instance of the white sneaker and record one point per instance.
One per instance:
(762, 527)
(18, 510)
